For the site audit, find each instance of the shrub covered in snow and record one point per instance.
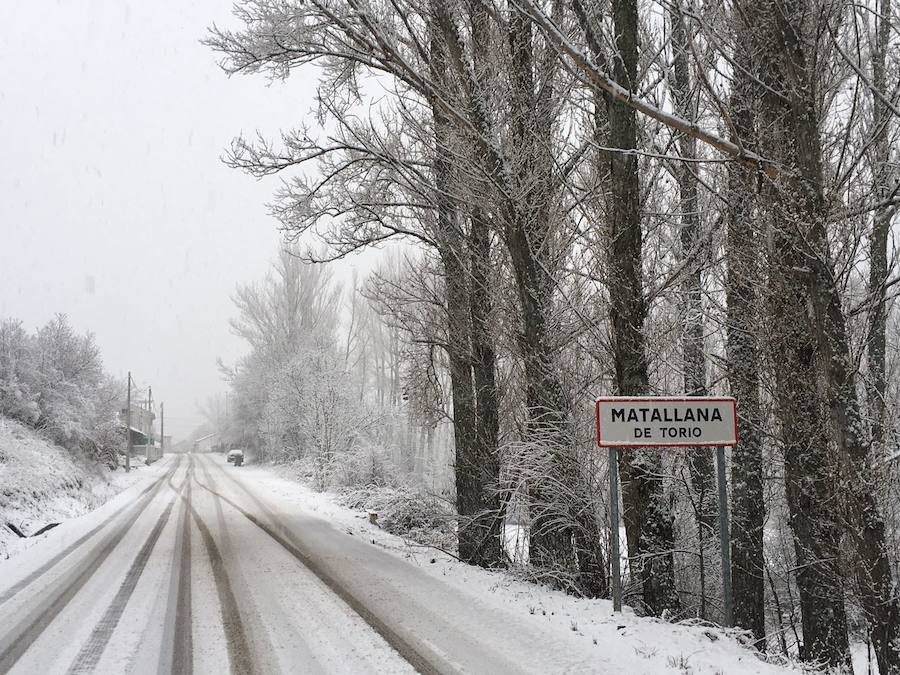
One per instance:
(406, 513)
(53, 380)
(369, 465)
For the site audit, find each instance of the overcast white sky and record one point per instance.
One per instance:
(114, 206)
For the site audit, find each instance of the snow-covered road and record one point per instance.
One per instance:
(201, 569)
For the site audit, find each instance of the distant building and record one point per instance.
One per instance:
(141, 424)
(143, 440)
(206, 443)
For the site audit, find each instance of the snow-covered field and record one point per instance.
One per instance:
(622, 643)
(41, 483)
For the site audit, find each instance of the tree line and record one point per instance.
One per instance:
(626, 198)
(321, 384)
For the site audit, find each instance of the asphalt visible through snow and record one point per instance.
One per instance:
(202, 571)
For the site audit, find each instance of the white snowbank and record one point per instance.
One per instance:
(41, 483)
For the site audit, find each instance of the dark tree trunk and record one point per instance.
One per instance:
(877, 345)
(743, 365)
(524, 193)
(810, 482)
(487, 431)
(808, 291)
(551, 545)
(489, 525)
(881, 222)
(874, 572)
(476, 483)
(799, 266)
(698, 459)
(648, 520)
(471, 493)
(874, 576)
(528, 229)
(702, 472)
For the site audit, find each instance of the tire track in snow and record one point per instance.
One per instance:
(239, 654)
(14, 590)
(177, 642)
(16, 642)
(400, 645)
(92, 650)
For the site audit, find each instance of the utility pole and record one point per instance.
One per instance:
(150, 417)
(162, 427)
(128, 427)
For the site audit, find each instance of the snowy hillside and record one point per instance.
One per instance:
(41, 483)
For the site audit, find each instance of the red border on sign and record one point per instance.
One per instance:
(673, 399)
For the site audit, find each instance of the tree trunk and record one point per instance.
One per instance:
(699, 459)
(489, 526)
(528, 228)
(802, 248)
(648, 520)
(551, 545)
(743, 366)
(874, 572)
(692, 339)
(881, 222)
(874, 576)
(484, 358)
(471, 493)
(798, 256)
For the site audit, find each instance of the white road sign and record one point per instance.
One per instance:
(628, 421)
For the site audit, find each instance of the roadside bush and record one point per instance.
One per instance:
(302, 470)
(406, 513)
(369, 465)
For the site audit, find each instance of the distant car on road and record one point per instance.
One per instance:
(235, 457)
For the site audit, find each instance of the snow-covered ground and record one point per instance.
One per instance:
(863, 660)
(41, 483)
(242, 570)
(588, 630)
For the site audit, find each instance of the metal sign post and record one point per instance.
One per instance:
(660, 421)
(614, 529)
(724, 536)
